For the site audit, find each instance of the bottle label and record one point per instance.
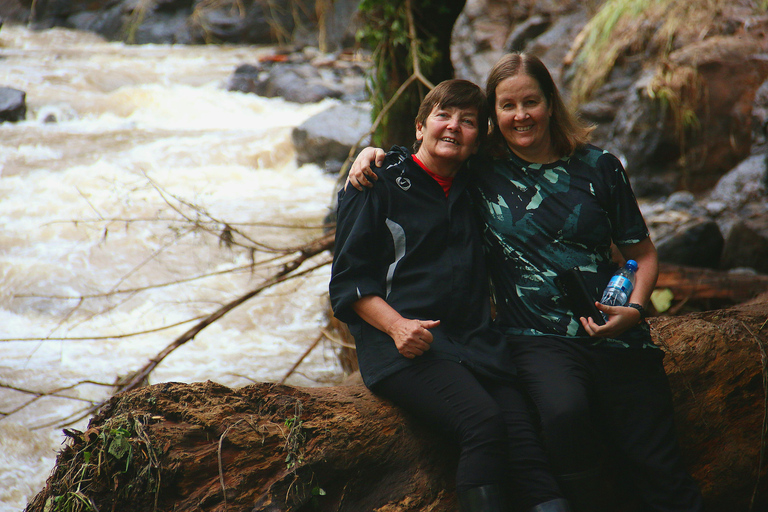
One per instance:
(617, 292)
(620, 282)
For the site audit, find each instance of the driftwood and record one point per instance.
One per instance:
(269, 447)
(710, 289)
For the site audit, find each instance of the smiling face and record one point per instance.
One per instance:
(523, 114)
(448, 137)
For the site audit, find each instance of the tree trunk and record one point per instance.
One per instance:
(269, 447)
(393, 63)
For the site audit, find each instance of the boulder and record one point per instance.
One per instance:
(745, 183)
(326, 139)
(13, 105)
(696, 242)
(683, 232)
(747, 244)
(299, 84)
(269, 448)
(642, 137)
(13, 12)
(486, 29)
(300, 79)
(731, 70)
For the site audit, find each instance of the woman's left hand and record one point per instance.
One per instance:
(620, 318)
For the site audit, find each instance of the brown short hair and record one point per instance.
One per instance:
(567, 130)
(459, 94)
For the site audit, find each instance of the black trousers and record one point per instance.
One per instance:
(490, 420)
(590, 398)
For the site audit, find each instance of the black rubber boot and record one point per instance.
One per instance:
(486, 498)
(558, 505)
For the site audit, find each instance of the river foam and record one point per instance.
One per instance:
(130, 161)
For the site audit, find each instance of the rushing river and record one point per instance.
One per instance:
(129, 163)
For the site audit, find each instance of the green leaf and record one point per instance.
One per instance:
(662, 299)
(119, 447)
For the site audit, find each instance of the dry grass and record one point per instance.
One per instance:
(650, 29)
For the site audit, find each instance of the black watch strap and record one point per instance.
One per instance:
(640, 308)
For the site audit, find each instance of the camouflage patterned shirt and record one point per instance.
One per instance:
(543, 219)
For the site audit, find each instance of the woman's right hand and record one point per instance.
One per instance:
(361, 173)
(412, 337)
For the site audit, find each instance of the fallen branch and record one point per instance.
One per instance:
(139, 377)
(313, 248)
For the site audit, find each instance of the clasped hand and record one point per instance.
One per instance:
(620, 318)
(412, 337)
(360, 174)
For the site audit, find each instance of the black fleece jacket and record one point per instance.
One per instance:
(404, 241)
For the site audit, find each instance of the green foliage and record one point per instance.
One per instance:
(386, 32)
(116, 459)
(119, 447)
(69, 502)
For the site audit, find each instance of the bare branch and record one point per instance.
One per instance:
(315, 247)
(250, 267)
(109, 336)
(287, 271)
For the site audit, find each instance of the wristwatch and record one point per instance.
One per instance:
(640, 308)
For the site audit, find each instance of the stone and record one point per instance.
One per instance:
(13, 105)
(329, 135)
(299, 81)
(696, 242)
(747, 245)
(747, 182)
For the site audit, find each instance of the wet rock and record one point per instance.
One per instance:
(731, 70)
(530, 29)
(301, 82)
(13, 105)
(741, 194)
(486, 29)
(238, 26)
(683, 232)
(641, 136)
(298, 84)
(747, 182)
(697, 243)
(760, 116)
(12, 11)
(326, 138)
(747, 245)
(645, 134)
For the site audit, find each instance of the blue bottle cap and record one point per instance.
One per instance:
(631, 265)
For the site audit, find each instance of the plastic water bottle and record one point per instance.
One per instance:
(620, 286)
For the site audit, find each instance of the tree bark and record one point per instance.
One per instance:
(268, 447)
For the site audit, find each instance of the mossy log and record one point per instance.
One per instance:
(268, 447)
